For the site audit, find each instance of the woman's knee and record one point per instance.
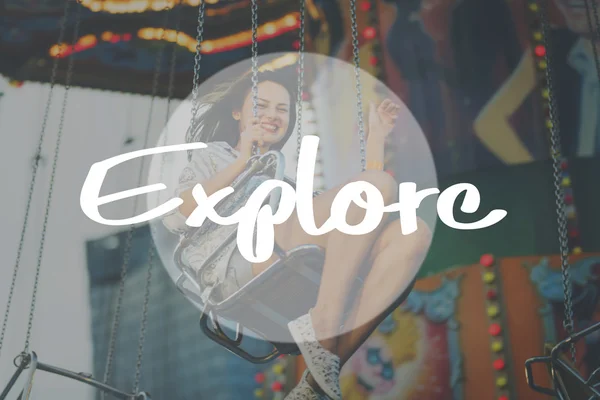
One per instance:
(419, 241)
(384, 182)
(415, 244)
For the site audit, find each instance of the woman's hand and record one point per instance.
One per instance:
(253, 134)
(382, 118)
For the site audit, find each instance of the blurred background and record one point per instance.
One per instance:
(472, 74)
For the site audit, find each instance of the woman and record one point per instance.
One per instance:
(231, 131)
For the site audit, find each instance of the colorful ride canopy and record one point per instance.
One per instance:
(119, 41)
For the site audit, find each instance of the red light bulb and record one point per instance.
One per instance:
(540, 51)
(259, 377)
(369, 33)
(487, 260)
(499, 364)
(495, 329)
(568, 199)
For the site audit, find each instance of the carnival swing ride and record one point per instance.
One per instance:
(273, 303)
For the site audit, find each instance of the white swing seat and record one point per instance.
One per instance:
(567, 381)
(266, 304)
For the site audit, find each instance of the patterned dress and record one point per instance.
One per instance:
(205, 163)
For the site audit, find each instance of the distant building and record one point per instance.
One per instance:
(179, 362)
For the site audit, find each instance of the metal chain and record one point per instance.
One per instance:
(359, 105)
(117, 316)
(151, 250)
(61, 37)
(170, 90)
(558, 190)
(127, 250)
(254, 7)
(300, 77)
(594, 32)
(197, 58)
(52, 180)
(172, 76)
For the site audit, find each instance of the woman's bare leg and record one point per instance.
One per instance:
(395, 257)
(344, 254)
(392, 261)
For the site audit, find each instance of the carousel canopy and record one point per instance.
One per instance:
(119, 40)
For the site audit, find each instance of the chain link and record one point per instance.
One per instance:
(300, 77)
(558, 190)
(61, 37)
(172, 77)
(151, 251)
(51, 188)
(128, 245)
(117, 316)
(254, 7)
(359, 104)
(170, 90)
(196, 82)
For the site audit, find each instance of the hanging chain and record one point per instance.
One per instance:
(300, 77)
(51, 188)
(254, 7)
(558, 190)
(172, 75)
(61, 37)
(359, 105)
(170, 90)
(151, 250)
(128, 245)
(117, 317)
(197, 58)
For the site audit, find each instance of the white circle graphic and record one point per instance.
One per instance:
(349, 281)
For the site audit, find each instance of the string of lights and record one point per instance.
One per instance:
(539, 53)
(266, 31)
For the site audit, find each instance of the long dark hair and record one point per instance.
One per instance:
(217, 124)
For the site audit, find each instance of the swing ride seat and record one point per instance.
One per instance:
(30, 363)
(568, 382)
(266, 304)
(283, 292)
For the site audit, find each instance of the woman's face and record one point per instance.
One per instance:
(274, 107)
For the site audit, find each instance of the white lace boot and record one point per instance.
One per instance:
(323, 365)
(303, 391)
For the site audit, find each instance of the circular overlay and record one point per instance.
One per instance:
(368, 273)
